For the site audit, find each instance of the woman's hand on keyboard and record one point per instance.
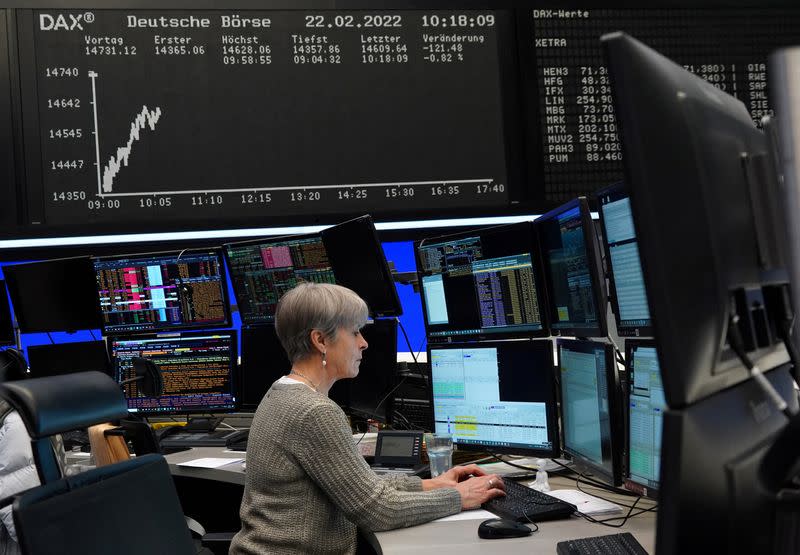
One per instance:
(479, 489)
(452, 477)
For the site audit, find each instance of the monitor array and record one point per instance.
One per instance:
(491, 299)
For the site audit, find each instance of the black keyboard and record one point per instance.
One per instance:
(525, 504)
(614, 544)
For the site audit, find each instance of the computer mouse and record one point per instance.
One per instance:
(496, 528)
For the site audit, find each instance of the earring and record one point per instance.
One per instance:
(324, 362)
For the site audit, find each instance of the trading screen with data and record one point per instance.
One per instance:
(481, 283)
(127, 119)
(572, 275)
(222, 114)
(590, 407)
(262, 271)
(198, 371)
(496, 395)
(646, 406)
(626, 283)
(162, 291)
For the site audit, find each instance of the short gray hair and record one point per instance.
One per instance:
(321, 306)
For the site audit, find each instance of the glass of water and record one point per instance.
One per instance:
(440, 452)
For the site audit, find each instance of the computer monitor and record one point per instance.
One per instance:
(591, 408)
(264, 269)
(65, 358)
(7, 335)
(358, 263)
(162, 291)
(497, 396)
(644, 413)
(482, 284)
(573, 271)
(198, 370)
(703, 195)
(263, 362)
(717, 495)
(365, 395)
(627, 292)
(54, 295)
(348, 254)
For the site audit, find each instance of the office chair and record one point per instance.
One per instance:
(57, 404)
(124, 508)
(108, 442)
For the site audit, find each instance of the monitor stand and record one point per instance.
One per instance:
(202, 424)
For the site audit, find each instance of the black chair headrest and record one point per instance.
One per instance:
(152, 380)
(12, 366)
(58, 404)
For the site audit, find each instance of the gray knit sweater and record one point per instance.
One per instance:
(307, 487)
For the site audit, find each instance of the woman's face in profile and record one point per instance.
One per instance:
(344, 353)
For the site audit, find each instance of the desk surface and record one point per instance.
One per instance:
(232, 473)
(459, 536)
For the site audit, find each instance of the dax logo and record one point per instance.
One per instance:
(61, 22)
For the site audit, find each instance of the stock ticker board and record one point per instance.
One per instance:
(211, 117)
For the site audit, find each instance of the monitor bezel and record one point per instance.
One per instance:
(596, 273)
(538, 276)
(645, 490)
(615, 412)
(553, 422)
(261, 241)
(234, 371)
(623, 330)
(226, 305)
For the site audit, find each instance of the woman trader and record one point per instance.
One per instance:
(307, 488)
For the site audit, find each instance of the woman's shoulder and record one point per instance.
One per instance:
(299, 399)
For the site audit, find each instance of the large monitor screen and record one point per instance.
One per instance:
(198, 370)
(591, 408)
(573, 271)
(359, 263)
(294, 113)
(626, 282)
(348, 254)
(263, 270)
(645, 417)
(54, 295)
(264, 361)
(483, 283)
(496, 395)
(692, 150)
(306, 114)
(162, 291)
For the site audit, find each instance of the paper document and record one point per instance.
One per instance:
(477, 514)
(210, 462)
(586, 504)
